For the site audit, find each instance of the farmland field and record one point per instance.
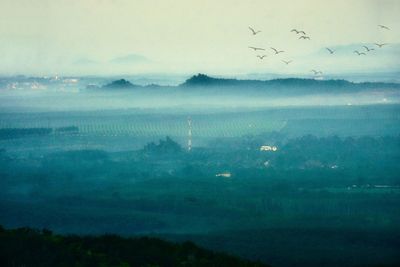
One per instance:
(328, 196)
(134, 128)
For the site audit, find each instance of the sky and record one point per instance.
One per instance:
(111, 37)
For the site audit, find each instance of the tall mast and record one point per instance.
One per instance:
(189, 134)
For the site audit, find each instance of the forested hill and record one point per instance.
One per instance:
(202, 80)
(28, 247)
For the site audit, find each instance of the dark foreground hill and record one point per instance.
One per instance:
(28, 247)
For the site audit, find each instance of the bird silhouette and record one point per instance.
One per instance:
(254, 31)
(304, 37)
(383, 27)
(330, 50)
(316, 72)
(261, 57)
(359, 53)
(367, 48)
(277, 51)
(380, 45)
(256, 48)
(294, 30)
(287, 62)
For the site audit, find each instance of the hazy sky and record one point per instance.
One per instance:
(45, 37)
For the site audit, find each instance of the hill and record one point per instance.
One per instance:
(28, 247)
(120, 84)
(202, 80)
(282, 86)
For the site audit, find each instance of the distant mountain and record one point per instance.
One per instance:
(85, 61)
(202, 80)
(120, 84)
(129, 59)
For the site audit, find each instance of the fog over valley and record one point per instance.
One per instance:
(199, 133)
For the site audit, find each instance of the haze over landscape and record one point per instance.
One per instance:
(199, 133)
(130, 37)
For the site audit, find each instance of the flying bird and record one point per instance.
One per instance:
(256, 48)
(304, 37)
(277, 51)
(254, 32)
(359, 53)
(287, 62)
(297, 31)
(380, 45)
(316, 72)
(383, 27)
(368, 49)
(330, 50)
(261, 57)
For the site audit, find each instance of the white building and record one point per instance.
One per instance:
(268, 148)
(224, 174)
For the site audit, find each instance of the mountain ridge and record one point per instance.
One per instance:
(301, 85)
(205, 80)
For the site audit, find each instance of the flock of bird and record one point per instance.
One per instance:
(303, 36)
